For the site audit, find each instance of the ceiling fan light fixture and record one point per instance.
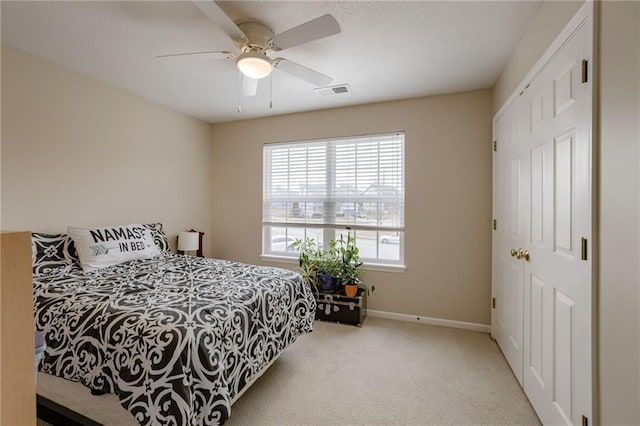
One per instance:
(254, 65)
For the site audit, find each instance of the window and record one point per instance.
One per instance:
(326, 188)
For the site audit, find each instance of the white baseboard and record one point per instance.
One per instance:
(483, 328)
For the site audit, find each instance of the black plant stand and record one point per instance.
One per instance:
(337, 307)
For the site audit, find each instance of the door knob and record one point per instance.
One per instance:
(522, 254)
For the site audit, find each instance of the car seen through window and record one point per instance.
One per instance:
(390, 239)
(282, 243)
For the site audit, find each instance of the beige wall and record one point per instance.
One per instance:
(448, 196)
(76, 151)
(551, 18)
(619, 212)
(619, 193)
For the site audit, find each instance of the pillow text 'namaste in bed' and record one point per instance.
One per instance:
(112, 245)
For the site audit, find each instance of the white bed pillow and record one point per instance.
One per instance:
(111, 245)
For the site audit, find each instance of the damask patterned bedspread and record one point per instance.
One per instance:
(176, 337)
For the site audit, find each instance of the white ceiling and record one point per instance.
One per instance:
(387, 50)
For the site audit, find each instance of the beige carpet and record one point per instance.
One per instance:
(386, 373)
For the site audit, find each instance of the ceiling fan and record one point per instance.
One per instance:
(255, 41)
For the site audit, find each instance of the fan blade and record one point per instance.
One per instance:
(323, 26)
(226, 54)
(221, 19)
(302, 72)
(248, 86)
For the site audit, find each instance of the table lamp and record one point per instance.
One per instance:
(188, 241)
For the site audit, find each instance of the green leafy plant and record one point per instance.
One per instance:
(350, 256)
(328, 261)
(351, 263)
(341, 260)
(308, 273)
(307, 251)
(313, 261)
(307, 266)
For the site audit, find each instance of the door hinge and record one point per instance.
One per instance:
(583, 248)
(493, 303)
(495, 146)
(495, 224)
(585, 71)
(585, 421)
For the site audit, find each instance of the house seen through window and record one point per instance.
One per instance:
(324, 189)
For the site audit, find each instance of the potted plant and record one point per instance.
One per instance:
(320, 268)
(350, 256)
(307, 267)
(328, 268)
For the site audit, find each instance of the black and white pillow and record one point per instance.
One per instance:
(159, 237)
(52, 253)
(112, 245)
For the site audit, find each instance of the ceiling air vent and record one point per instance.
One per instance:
(333, 90)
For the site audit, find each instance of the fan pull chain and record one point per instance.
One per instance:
(239, 92)
(271, 91)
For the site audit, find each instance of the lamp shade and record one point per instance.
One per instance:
(254, 65)
(188, 241)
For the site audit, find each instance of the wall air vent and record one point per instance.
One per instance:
(333, 90)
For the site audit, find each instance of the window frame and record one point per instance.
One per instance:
(333, 230)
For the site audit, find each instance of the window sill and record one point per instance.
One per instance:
(379, 267)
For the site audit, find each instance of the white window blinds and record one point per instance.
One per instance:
(320, 188)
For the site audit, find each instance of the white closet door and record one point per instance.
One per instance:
(557, 363)
(511, 177)
(543, 204)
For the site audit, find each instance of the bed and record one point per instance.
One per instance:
(177, 338)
